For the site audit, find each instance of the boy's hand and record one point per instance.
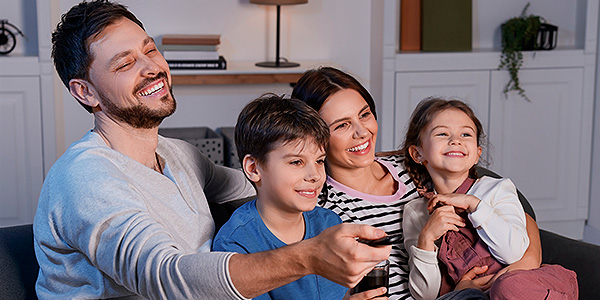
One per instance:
(377, 293)
(462, 201)
(444, 218)
(337, 255)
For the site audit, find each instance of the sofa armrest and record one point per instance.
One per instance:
(581, 257)
(222, 212)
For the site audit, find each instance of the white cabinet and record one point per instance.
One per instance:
(27, 127)
(20, 150)
(543, 145)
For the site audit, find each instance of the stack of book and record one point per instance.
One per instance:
(192, 51)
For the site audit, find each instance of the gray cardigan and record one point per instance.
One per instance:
(108, 226)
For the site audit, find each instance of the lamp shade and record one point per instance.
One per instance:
(278, 2)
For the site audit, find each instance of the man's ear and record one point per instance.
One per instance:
(251, 169)
(415, 154)
(84, 92)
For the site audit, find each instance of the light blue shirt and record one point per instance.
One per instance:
(245, 232)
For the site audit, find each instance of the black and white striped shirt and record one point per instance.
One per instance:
(384, 212)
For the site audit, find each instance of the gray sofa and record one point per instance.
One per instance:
(19, 268)
(581, 257)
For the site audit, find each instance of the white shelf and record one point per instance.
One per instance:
(242, 73)
(249, 67)
(482, 60)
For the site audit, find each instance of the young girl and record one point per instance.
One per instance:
(481, 222)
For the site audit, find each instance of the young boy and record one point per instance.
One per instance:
(281, 144)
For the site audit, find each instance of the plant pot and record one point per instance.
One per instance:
(547, 37)
(544, 39)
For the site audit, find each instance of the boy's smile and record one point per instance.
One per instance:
(291, 178)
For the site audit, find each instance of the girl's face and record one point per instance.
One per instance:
(353, 130)
(448, 145)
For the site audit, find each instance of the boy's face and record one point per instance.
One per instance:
(292, 177)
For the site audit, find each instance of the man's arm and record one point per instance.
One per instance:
(334, 254)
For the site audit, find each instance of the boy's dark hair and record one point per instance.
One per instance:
(420, 118)
(70, 40)
(271, 120)
(315, 86)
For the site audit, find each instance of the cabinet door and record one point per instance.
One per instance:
(412, 87)
(20, 149)
(538, 143)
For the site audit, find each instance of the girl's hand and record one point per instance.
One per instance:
(441, 220)
(462, 201)
(377, 293)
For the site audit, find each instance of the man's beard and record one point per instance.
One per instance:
(140, 116)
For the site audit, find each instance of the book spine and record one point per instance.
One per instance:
(446, 25)
(171, 47)
(190, 55)
(220, 64)
(410, 25)
(191, 40)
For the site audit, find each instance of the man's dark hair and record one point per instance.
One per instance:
(70, 40)
(271, 121)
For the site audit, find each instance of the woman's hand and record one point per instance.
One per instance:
(462, 201)
(377, 293)
(481, 283)
(442, 219)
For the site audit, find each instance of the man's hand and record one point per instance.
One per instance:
(481, 283)
(444, 218)
(334, 254)
(337, 255)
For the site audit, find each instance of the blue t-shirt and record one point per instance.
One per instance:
(245, 232)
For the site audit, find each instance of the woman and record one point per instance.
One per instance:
(363, 188)
(360, 188)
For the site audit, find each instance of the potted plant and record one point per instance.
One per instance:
(518, 34)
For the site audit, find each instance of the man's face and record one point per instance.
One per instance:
(130, 76)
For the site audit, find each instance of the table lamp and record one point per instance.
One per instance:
(278, 63)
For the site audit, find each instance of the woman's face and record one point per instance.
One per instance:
(353, 130)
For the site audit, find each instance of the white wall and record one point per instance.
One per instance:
(487, 15)
(346, 33)
(591, 232)
(334, 31)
